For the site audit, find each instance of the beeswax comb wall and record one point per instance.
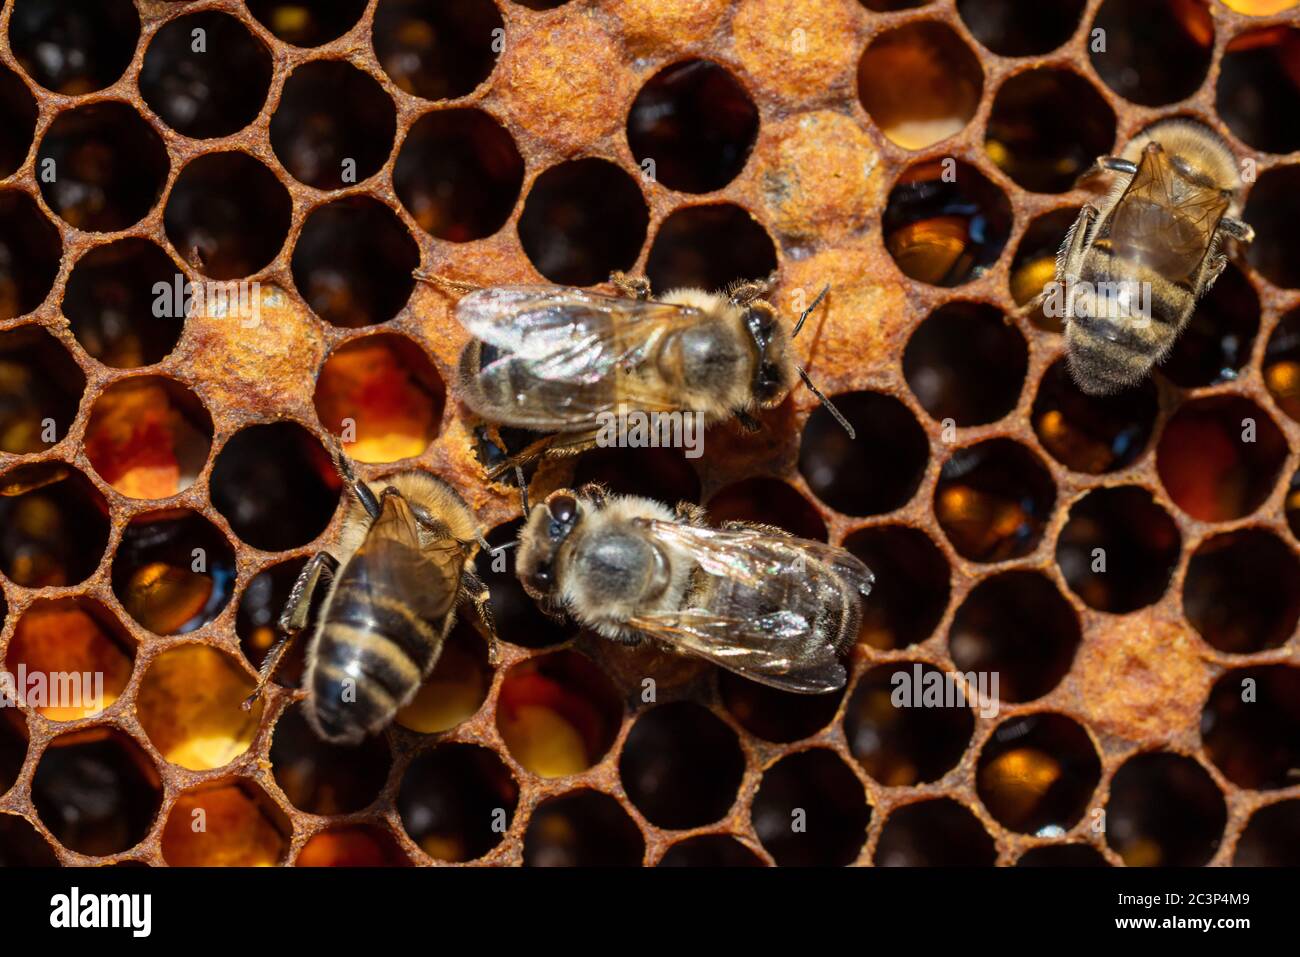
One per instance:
(165, 478)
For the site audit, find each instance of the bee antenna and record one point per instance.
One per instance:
(826, 403)
(523, 489)
(452, 284)
(804, 315)
(504, 548)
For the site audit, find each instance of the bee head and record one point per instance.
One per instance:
(772, 371)
(548, 528)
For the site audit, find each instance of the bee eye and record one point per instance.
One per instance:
(563, 509)
(541, 578)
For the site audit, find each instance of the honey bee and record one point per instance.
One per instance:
(750, 598)
(555, 359)
(383, 601)
(1133, 266)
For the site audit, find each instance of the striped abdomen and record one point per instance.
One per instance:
(382, 633)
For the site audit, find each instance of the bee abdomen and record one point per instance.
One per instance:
(370, 659)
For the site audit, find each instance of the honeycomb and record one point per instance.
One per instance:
(164, 473)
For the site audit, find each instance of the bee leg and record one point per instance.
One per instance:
(551, 446)
(633, 287)
(595, 492)
(477, 592)
(1210, 272)
(358, 488)
(746, 291)
(455, 285)
(1238, 230)
(293, 619)
(1106, 164)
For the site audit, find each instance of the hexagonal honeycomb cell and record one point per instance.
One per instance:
(210, 223)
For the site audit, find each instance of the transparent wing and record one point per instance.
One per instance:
(768, 598)
(564, 355)
(1164, 220)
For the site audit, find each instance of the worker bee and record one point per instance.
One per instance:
(750, 598)
(557, 360)
(383, 601)
(1132, 267)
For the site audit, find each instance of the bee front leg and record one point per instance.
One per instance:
(1237, 229)
(633, 287)
(746, 291)
(293, 620)
(476, 590)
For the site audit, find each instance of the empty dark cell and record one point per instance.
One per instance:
(1047, 127)
(681, 766)
(582, 220)
(74, 48)
(1282, 364)
(30, 249)
(1242, 591)
(227, 215)
(323, 778)
(695, 123)
(13, 739)
(912, 585)
(875, 473)
(258, 615)
(457, 801)
(1292, 506)
(920, 83)
(1164, 811)
(659, 473)
(101, 167)
(458, 173)
(934, 833)
(945, 224)
(53, 526)
(1216, 342)
(1092, 433)
(275, 485)
(1270, 839)
(353, 262)
(710, 850)
(1021, 27)
(17, 122)
(772, 714)
(1118, 550)
(770, 502)
(966, 363)
(709, 247)
(352, 846)
(96, 794)
(205, 75)
(1273, 208)
(307, 25)
(993, 500)
(21, 845)
(1037, 773)
(899, 738)
(1062, 855)
(1017, 627)
(540, 4)
(582, 829)
(111, 303)
(1251, 726)
(517, 617)
(173, 572)
(334, 125)
(438, 51)
(811, 811)
(1258, 93)
(1219, 457)
(40, 389)
(1152, 52)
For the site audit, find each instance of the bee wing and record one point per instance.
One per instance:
(392, 561)
(1166, 228)
(558, 350)
(776, 587)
